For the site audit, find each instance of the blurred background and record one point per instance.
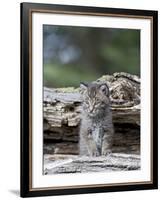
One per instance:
(75, 54)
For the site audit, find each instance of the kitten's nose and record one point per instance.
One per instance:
(90, 108)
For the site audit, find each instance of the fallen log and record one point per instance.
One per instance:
(58, 164)
(62, 108)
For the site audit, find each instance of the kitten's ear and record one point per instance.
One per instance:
(83, 85)
(104, 89)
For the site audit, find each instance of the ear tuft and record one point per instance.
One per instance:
(83, 85)
(104, 89)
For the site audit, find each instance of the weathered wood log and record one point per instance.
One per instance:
(125, 141)
(55, 164)
(62, 107)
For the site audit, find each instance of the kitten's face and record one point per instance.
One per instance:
(95, 97)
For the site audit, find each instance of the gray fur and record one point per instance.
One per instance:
(96, 130)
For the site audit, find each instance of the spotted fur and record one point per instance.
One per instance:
(96, 130)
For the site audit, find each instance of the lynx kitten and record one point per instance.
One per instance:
(96, 130)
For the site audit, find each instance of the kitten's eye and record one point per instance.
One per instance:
(86, 97)
(98, 101)
(86, 105)
(102, 105)
(97, 105)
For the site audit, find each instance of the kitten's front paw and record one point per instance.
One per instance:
(95, 154)
(106, 152)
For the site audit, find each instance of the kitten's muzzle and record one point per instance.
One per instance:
(91, 109)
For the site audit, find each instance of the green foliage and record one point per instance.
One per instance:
(63, 76)
(123, 52)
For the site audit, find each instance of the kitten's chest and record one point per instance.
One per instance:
(92, 123)
(96, 126)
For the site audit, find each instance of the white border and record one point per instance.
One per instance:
(39, 180)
